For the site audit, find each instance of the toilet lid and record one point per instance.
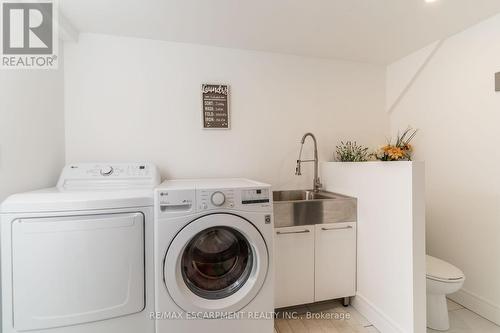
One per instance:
(440, 269)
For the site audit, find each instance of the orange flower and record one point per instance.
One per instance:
(395, 153)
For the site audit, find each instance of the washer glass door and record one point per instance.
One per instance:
(218, 262)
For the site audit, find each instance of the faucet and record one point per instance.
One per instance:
(316, 182)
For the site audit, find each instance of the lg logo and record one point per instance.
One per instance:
(27, 28)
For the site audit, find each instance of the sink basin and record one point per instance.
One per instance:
(300, 195)
(305, 207)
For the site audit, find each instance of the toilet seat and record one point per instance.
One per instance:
(442, 271)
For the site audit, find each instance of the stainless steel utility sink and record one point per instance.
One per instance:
(301, 195)
(305, 207)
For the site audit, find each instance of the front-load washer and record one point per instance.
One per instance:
(214, 256)
(77, 258)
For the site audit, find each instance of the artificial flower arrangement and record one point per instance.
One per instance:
(401, 150)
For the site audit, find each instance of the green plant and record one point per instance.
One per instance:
(351, 152)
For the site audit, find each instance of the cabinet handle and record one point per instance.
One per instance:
(341, 228)
(292, 232)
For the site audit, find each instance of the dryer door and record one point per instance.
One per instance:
(76, 269)
(217, 263)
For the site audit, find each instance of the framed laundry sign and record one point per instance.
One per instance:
(215, 99)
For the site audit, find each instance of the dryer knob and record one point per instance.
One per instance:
(106, 171)
(218, 198)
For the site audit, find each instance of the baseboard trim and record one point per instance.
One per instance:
(477, 304)
(375, 316)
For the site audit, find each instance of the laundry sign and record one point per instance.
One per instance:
(215, 99)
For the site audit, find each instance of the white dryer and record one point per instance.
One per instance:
(77, 258)
(214, 256)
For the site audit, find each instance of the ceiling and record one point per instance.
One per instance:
(374, 31)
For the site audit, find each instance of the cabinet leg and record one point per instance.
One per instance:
(347, 301)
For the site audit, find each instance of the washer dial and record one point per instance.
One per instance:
(218, 198)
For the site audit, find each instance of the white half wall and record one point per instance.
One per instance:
(454, 105)
(390, 289)
(31, 129)
(136, 99)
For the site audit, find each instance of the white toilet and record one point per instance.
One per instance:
(442, 279)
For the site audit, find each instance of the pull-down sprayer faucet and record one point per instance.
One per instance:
(316, 182)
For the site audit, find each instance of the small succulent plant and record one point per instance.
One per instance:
(350, 152)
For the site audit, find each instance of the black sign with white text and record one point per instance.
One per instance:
(215, 99)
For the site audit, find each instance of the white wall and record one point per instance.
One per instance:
(402, 73)
(133, 99)
(31, 129)
(391, 236)
(453, 103)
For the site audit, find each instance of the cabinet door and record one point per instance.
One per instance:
(335, 261)
(294, 266)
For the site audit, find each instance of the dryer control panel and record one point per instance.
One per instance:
(108, 175)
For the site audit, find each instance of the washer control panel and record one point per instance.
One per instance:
(255, 196)
(238, 198)
(180, 201)
(217, 198)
